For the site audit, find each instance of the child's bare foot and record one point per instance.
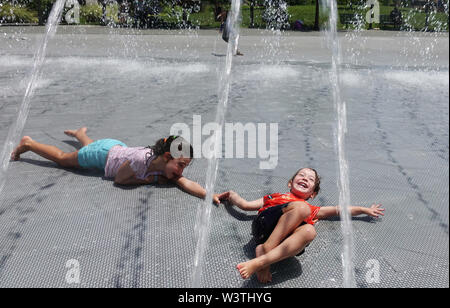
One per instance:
(264, 275)
(247, 269)
(21, 148)
(76, 133)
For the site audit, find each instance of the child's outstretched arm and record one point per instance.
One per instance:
(241, 203)
(328, 211)
(195, 189)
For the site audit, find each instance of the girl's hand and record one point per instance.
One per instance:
(230, 196)
(217, 198)
(375, 210)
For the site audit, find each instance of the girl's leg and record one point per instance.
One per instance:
(80, 134)
(291, 246)
(264, 275)
(69, 160)
(293, 215)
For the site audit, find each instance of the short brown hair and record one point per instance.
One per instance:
(316, 182)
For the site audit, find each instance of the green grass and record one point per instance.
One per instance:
(413, 19)
(307, 13)
(17, 14)
(417, 20)
(91, 14)
(205, 19)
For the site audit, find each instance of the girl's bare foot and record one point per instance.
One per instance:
(21, 148)
(264, 275)
(76, 133)
(247, 269)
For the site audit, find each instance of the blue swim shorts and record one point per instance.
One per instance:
(95, 154)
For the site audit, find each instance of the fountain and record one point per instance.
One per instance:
(379, 99)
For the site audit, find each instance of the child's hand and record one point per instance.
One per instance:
(217, 198)
(230, 196)
(375, 210)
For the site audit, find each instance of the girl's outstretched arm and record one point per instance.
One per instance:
(241, 203)
(194, 189)
(328, 211)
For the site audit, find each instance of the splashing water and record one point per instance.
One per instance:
(277, 17)
(202, 224)
(341, 130)
(16, 129)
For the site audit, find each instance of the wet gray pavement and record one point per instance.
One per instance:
(134, 85)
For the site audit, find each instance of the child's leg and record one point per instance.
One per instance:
(291, 246)
(80, 134)
(264, 275)
(293, 215)
(47, 151)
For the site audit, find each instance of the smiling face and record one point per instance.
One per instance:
(303, 185)
(175, 167)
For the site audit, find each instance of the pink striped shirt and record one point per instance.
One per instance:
(140, 159)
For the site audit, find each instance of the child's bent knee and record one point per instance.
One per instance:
(309, 232)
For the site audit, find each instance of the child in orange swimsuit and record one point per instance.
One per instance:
(285, 224)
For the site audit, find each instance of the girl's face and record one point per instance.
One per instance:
(175, 167)
(303, 184)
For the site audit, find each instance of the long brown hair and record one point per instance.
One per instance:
(163, 146)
